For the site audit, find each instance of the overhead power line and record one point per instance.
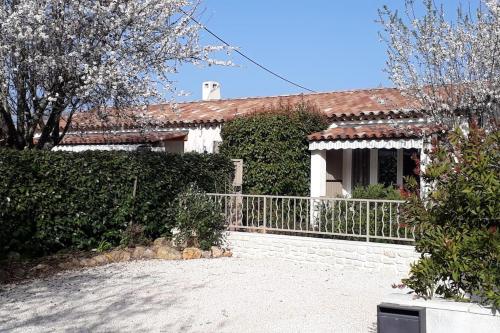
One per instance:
(245, 56)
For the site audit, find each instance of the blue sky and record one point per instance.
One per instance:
(325, 45)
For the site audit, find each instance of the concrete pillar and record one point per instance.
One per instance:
(346, 172)
(373, 166)
(318, 173)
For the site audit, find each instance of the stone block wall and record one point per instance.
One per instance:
(330, 252)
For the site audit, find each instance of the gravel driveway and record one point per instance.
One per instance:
(217, 295)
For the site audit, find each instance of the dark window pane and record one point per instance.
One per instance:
(387, 166)
(360, 167)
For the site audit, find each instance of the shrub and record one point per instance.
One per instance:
(376, 191)
(55, 200)
(274, 148)
(133, 235)
(457, 224)
(199, 219)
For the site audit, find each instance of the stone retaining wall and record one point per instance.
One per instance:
(331, 252)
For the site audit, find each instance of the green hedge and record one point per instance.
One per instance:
(274, 148)
(55, 200)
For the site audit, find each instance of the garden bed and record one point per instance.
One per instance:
(15, 269)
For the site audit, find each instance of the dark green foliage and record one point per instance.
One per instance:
(199, 219)
(376, 191)
(133, 235)
(457, 227)
(55, 200)
(274, 148)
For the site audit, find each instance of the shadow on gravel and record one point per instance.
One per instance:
(50, 305)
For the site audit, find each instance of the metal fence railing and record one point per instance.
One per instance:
(371, 220)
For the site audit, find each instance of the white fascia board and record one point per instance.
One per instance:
(361, 144)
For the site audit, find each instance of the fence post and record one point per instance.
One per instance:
(265, 214)
(368, 221)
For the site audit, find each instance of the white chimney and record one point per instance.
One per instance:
(211, 91)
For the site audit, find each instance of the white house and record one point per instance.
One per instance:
(372, 137)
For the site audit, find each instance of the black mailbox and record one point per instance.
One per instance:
(393, 318)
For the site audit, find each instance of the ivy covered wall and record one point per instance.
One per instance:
(274, 148)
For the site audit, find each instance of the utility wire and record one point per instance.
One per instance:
(245, 56)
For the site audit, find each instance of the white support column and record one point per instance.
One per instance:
(399, 175)
(346, 172)
(318, 173)
(373, 166)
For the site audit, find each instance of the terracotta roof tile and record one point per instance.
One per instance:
(342, 105)
(385, 131)
(121, 138)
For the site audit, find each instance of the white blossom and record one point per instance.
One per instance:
(451, 66)
(59, 56)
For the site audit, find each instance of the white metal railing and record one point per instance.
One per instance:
(347, 218)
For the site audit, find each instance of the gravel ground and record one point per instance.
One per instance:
(218, 295)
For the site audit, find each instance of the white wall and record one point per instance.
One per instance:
(444, 316)
(79, 148)
(318, 173)
(346, 172)
(330, 252)
(200, 139)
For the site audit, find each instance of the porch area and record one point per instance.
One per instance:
(343, 158)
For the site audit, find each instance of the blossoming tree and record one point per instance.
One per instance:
(452, 68)
(58, 57)
(451, 65)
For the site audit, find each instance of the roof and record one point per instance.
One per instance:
(374, 132)
(341, 105)
(121, 138)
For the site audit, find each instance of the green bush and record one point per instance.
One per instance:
(199, 219)
(134, 235)
(351, 217)
(55, 200)
(457, 225)
(376, 191)
(274, 148)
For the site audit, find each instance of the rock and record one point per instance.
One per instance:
(168, 253)
(88, 262)
(162, 241)
(110, 256)
(126, 256)
(148, 254)
(101, 259)
(119, 255)
(206, 254)
(191, 253)
(65, 265)
(216, 252)
(69, 264)
(114, 255)
(138, 252)
(227, 253)
(41, 268)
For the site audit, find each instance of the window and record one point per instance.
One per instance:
(387, 166)
(144, 147)
(360, 167)
(174, 146)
